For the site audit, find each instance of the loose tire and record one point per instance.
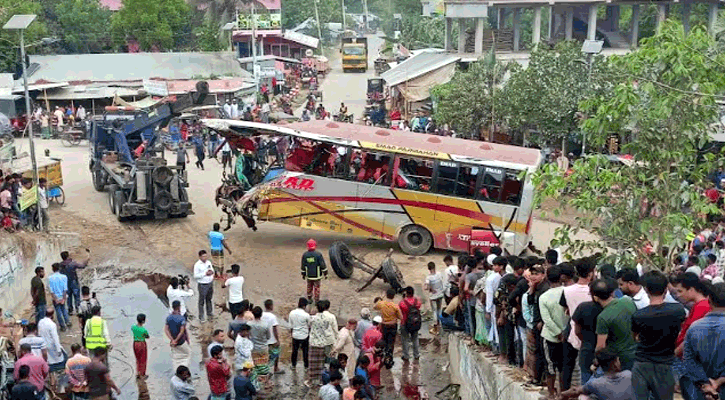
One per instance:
(162, 175)
(341, 260)
(99, 181)
(184, 198)
(112, 197)
(392, 275)
(163, 200)
(415, 240)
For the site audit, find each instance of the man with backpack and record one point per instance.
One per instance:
(410, 325)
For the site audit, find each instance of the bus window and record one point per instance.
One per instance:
(369, 167)
(414, 174)
(466, 185)
(511, 188)
(447, 178)
(316, 158)
(491, 188)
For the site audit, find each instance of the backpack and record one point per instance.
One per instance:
(414, 320)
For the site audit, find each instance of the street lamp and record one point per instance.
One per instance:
(21, 23)
(590, 48)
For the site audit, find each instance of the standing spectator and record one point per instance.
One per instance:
(85, 309)
(175, 330)
(218, 243)
(235, 294)
(243, 387)
(585, 327)
(96, 331)
(182, 156)
(264, 116)
(243, 348)
(313, 270)
(198, 151)
(299, 321)
(241, 319)
(362, 326)
(614, 385)
(69, 268)
(573, 296)
(270, 319)
(469, 282)
(390, 312)
(235, 109)
(690, 290)
(177, 291)
(492, 283)
(555, 321)
(99, 380)
(38, 369)
(450, 275)
(628, 280)
(656, 328)
(614, 323)
(75, 368)
(259, 333)
(217, 339)
(181, 386)
(23, 388)
(37, 343)
(713, 269)
(372, 335)
(49, 332)
(331, 333)
(219, 373)
(43, 204)
(344, 344)
(204, 275)
(226, 155)
(37, 292)
(539, 285)
(319, 332)
(434, 286)
(227, 109)
(58, 285)
(140, 351)
(410, 323)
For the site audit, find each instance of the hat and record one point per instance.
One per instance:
(490, 259)
(695, 270)
(378, 319)
(248, 365)
(365, 313)
(311, 244)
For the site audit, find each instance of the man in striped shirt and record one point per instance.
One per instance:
(75, 369)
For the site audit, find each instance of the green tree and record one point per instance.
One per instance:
(83, 25)
(158, 24)
(9, 40)
(665, 98)
(208, 36)
(468, 102)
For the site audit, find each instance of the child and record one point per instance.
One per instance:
(140, 334)
(357, 383)
(342, 359)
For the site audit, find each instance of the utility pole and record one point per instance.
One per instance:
(255, 67)
(343, 15)
(365, 10)
(319, 29)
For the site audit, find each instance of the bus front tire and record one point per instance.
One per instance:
(415, 240)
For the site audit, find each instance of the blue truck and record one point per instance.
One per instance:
(144, 185)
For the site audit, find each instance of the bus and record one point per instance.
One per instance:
(422, 191)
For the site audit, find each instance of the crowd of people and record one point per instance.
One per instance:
(16, 215)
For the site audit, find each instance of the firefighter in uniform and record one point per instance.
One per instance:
(96, 332)
(313, 270)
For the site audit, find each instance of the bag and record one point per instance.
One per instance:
(414, 320)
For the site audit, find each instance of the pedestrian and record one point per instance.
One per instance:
(259, 334)
(38, 370)
(88, 301)
(614, 323)
(37, 343)
(243, 348)
(615, 384)
(331, 333)
(98, 377)
(478, 271)
(217, 339)
(265, 112)
(219, 373)
(299, 321)
(212, 143)
(218, 244)
(492, 283)
(361, 370)
(344, 344)
(23, 389)
(70, 269)
(329, 391)
(538, 286)
(390, 312)
(628, 280)
(573, 296)
(43, 204)
(175, 329)
(178, 290)
(319, 333)
(363, 324)
(75, 369)
(313, 270)
(410, 323)
(656, 328)
(204, 275)
(96, 332)
(376, 356)
(140, 351)
(58, 285)
(434, 286)
(181, 386)
(244, 316)
(372, 335)
(226, 155)
(555, 321)
(243, 387)
(235, 294)
(182, 157)
(273, 343)
(585, 326)
(49, 332)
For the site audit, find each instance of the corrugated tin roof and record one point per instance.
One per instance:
(74, 93)
(416, 66)
(135, 66)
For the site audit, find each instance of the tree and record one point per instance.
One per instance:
(158, 24)
(83, 25)
(208, 36)
(545, 96)
(664, 97)
(9, 40)
(296, 11)
(468, 102)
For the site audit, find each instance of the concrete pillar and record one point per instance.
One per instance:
(462, 24)
(661, 15)
(686, 9)
(613, 13)
(517, 28)
(712, 18)
(499, 18)
(449, 35)
(536, 33)
(634, 41)
(569, 23)
(480, 24)
(592, 24)
(550, 24)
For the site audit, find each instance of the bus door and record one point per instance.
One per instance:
(455, 184)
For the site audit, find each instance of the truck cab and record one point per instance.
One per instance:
(354, 54)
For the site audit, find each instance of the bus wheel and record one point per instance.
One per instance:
(415, 240)
(341, 260)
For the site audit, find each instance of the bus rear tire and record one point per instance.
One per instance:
(415, 240)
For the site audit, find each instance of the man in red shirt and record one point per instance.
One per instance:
(372, 335)
(410, 306)
(39, 369)
(219, 373)
(690, 289)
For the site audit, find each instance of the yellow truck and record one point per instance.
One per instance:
(354, 54)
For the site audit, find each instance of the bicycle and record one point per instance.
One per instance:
(71, 138)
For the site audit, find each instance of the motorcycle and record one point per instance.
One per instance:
(348, 118)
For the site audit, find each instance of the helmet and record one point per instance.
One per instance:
(311, 244)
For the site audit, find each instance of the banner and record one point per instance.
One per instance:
(266, 20)
(28, 198)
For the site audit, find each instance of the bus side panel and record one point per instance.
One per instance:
(377, 210)
(420, 207)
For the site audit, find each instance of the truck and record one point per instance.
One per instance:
(142, 185)
(354, 54)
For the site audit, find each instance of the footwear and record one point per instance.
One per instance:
(280, 372)
(62, 328)
(202, 319)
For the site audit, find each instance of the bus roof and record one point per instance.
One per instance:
(394, 141)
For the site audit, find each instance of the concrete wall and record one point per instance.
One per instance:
(481, 378)
(20, 253)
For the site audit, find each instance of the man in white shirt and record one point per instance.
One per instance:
(235, 109)
(449, 273)
(176, 291)
(242, 347)
(81, 113)
(227, 156)
(204, 275)
(228, 109)
(299, 321)
(264, 112)
(58, 114)
(270, 319)
(492, 282)
(235, 296)
(48, 330)
(43, 203)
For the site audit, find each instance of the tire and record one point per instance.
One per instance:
(118, 200)
(184, 198)
(60, 199)
(99, 182)
(392, 274)
(111, 197)
(162, 175)
(341, 260)
(415, 240)
(163, 200)
(67, 140)
(75, 140)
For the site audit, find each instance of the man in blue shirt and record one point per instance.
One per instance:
(69, 268)
(704, 350)
(58, 285)
(217, 244)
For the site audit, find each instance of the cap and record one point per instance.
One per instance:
(311, 244)
(248, 365)
(365, 312)
(490, 259)
(378, 319)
